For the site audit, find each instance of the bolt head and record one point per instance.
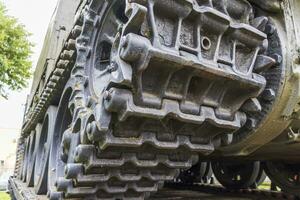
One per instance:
(278, 58)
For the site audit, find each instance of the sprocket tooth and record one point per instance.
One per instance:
(268, 94)
(270, 29)
(226, 139)
(252, 105)
(251, 123)
(263, 63)
(260, 23)
(278, 58)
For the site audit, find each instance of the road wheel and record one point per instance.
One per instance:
(234, 175)
(285, 176)
(42, 152)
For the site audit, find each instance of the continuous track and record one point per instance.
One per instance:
(171, 192)
(127, 138)
(118, 136)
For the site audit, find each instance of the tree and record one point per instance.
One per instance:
(15, 51)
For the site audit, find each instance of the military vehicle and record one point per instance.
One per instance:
(128, 93)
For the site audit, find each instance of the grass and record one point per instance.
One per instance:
(264, 186)
(4, 196)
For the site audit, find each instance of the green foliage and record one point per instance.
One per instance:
(15, 51)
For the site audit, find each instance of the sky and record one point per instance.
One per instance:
(35, 15)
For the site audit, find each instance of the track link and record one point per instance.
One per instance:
(182, 192)
(131, 137)
(129, 141)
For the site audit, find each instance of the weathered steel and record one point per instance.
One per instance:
(240, 175)
(43, 151)
(146, 87)
(181, 192)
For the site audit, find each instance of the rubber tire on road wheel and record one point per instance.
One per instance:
(236, 175)
(285, 176)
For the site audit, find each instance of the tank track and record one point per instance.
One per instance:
(185, 192)
(115, 158)
(58, 78)
(140, 138)
(112, 174)
(52, 89)
(19, 158)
